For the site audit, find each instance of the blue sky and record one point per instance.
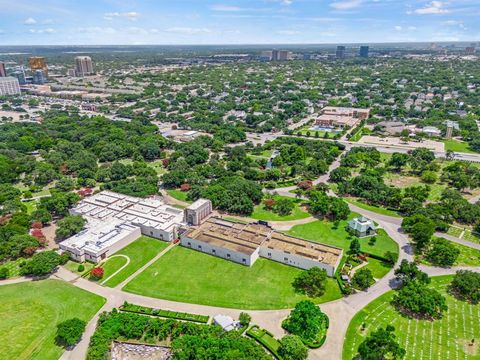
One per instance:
(103, 22)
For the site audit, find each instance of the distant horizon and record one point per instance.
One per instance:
(467, 42)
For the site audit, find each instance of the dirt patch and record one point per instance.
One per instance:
(469, 347)
(402, 181)
(49, 232)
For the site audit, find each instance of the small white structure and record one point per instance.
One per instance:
(432, 131)
(226, 322)
(362, 226)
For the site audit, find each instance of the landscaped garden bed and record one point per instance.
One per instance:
(265, 338)
(127, 307)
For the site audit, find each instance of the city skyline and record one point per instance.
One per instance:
(237, 22)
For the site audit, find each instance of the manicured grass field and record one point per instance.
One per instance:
(190, 276)
(470, 236)
(323, 231)
(444, 339)
(30, 313)
(458, 146)
(178, 194)
(73, 267)
(262, 213)
(378, 268)
(372, 208)
(140, 252)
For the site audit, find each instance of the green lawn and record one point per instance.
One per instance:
(472, 237)
(458, 146)
(140, 252)
(73, 267)
(444, 339)
(178, 194)
(324, 232)
(378, 268)
(190, 276)
(30, 313)
(372, 208)
(261, 213)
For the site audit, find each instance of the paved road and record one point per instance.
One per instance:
(458, 241)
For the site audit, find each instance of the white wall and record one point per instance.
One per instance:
(294, 260)
(220, 251)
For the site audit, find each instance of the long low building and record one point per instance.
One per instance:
(116, 220)
(245, 243)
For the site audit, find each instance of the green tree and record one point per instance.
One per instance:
(381, 344)
(244, 319)
(466, 285)
(312, 282)
(42, 263)
(283, 206)
(363, 279)
(69, 225)
(354, 248)
(292, 348)
(69, 332)
(306, 320)
(442, 253)
(408, 272)
(418, 300)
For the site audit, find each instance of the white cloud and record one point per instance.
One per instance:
(398, 28)
(346, 5)
(287, 2)
(30, 21)
(188, 30)
(42, 31)
(288, 32)
(97, 30)
(132, 15)
(434, 7)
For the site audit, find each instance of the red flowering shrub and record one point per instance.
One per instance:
(165, 162)
(29, 251)
(269, 203)
(36, 233)
(37, 225)
(305, 185)
(97, 273)
(185, 187)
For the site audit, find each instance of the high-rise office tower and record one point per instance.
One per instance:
(3, 71)
(284, 55)
(364, 51)
(83, 65)
(340, 54)
(20, 75)
(38, 63)
(275, 54)
(38, 77)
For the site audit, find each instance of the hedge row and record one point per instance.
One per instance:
(265, 344)
(164, 313)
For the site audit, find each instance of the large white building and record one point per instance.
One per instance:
(245, 243)
(115, 220)
(9, 85)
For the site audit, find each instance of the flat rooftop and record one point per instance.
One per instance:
(99, 236)
(229, 235)
(247, 238)
(151, 212)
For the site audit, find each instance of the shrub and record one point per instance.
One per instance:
(81, 268)
(4, 272)
(70, 331)
(97, 273)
